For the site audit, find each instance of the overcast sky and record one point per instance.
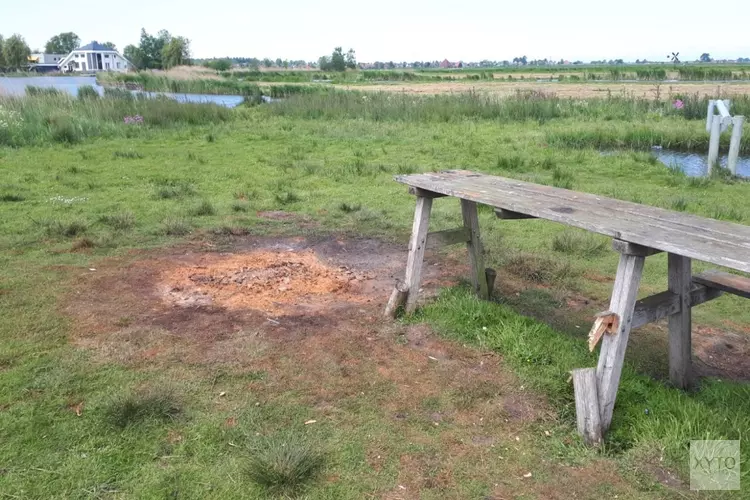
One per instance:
(469, 30)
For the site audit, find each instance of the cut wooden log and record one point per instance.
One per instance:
(587, 406)
(397, 299)
(605, 322)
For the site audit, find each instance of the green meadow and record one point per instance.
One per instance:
(82, 186)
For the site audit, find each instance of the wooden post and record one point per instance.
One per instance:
(491, 275)
(474, 247)
(680, 352)
(417, 244)
(734, 144)
(397, 299)
(710, 116)
(587, 406)
(713, 144)
(612, 355)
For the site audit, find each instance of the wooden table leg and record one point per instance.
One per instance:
(612, 355)
(680, 350)
(416, 251)
(474, 247)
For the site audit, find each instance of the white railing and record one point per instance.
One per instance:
(718, 123)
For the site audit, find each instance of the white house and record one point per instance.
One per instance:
(45, 63)
(94, 57)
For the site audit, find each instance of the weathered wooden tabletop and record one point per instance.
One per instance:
(721, 243)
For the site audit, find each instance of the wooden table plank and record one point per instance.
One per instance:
(718, 242)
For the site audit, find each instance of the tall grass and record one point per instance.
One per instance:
(42, 118)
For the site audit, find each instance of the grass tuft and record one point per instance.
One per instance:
(141, 407)
(176, 226)
(173, 188)
(540, 269)
(128, 155)
(726, 213)
(204, 208)
(562, 178)
(679, 204)
(582, 244)
(121, 221)
(349, 208)
(68, 229)
(83, 243)
(11, 197)
(284, 465)
(286, 197)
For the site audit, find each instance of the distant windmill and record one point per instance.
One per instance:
(674, 57)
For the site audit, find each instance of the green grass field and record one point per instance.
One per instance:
(77, 424)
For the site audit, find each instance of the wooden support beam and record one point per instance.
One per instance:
(448, 237)
(397, 299)
(502, 213)
(423, 193)
(734, 144)
(587, 406)
(627, 248)
(474, 247)
(667, 303)
(713, 143)
(680, 350)
(612, 355)
(731, 283)
(491, 275)
(417, 244)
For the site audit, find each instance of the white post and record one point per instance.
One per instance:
(710, 115)
(734, 144)
(713, 143)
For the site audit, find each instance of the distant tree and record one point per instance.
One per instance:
(218, 64)
(16, 52)
(278, 62)
(390, 65)
(110, 45)
(338, 61)
(324, 63)
(136, 56)
(2, 57)
(705, 57)
(267, 62)
(176, 52)
(351, 59)
(64, 43)
(524, 60)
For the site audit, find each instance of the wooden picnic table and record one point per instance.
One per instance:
(638, 231)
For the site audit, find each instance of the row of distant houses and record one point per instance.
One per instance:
(87, 59)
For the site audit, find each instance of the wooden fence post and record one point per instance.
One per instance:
(734, 144)
(713, 144)
(710, 116)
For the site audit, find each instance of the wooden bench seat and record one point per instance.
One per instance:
(726, 282)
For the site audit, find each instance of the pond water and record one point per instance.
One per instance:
(71, 84)
(696, 165)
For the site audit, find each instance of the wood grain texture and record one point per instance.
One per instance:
(612, 354)
(718, 242)
(680, 323)
(632, 248)
(587, 406)
(417, 244)
(397, 299)
(474, 248)
(661, 305)
(504, 214)
(731, 283)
